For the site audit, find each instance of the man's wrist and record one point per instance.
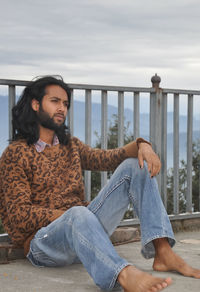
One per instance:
(140, 141)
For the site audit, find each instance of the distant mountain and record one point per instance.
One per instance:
(79, 111)
(79, 125)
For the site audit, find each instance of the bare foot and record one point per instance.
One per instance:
(167, 260)
(134, 280)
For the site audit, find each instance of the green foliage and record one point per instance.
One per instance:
(1, 227)
(183, 182)
(196, 176)
(113, 134)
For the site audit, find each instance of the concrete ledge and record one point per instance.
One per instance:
(9, 252)
(182, 222)
(125, 235)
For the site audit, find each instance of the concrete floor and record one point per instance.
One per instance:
(21, 276)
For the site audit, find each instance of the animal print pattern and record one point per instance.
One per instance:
(36, 188)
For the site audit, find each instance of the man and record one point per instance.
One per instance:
(42, 196)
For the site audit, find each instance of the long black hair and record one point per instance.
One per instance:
(24, 118)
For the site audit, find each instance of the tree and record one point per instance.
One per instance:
(183, 182)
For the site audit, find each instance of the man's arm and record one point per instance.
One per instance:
(99, 159)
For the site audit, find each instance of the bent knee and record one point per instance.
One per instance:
(79, 213)
(132, 165)
(130, 162)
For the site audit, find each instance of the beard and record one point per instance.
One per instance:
(46, 121)
(61, 130)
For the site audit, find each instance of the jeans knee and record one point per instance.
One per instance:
(79, 213)
(131, 161)
(131, 167)
(130, 164)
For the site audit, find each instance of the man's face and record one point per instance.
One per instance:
(53, 109)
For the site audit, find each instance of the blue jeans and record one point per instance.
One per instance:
(81, 234)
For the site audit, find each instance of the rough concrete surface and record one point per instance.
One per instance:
(21, 276)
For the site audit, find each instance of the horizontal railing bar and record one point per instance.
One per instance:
(84, 86)
(181, 91)
(13, 82)
(107, 87)
(111, 88)
(135, 221)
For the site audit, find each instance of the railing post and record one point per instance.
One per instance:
(156, 119)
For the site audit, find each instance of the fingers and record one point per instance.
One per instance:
(145, 152)
(153, 163)
(140, 159)
(154, 166)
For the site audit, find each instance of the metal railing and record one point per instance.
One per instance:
(157, 127)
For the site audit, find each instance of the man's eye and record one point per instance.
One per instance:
(54, 100)
(66, 104)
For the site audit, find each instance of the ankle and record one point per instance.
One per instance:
(161, 245)
(123, 276)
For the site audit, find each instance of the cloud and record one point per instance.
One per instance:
(111, 42)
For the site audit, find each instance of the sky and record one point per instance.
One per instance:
(110, 42)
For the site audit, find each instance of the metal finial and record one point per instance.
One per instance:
(155, 81)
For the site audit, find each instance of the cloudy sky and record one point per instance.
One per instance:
(112, 42)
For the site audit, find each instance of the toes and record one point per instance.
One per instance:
(168, 281)
(154, 289)
(197, 275)
(159, 287)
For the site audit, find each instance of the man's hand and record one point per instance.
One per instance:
(145, 152)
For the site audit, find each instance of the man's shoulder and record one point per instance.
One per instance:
(19, 144)
(74, 141)
(16, 149)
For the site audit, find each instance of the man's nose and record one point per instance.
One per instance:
(61, 107)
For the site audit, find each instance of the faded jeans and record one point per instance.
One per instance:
(81, 234)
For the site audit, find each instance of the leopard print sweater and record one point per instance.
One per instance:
(36, 188)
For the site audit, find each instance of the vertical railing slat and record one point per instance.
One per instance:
(120, 119)
(70, 116)
(104, 118)
(176, 155)
(11, 103)
(152, 119)
(189, 153)
(136, 114)
(88, 130)
(164, 151)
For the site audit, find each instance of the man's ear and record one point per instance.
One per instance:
(35, 105)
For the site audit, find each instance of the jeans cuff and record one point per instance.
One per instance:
(148, 250)
(114, 279)
(31, 259)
